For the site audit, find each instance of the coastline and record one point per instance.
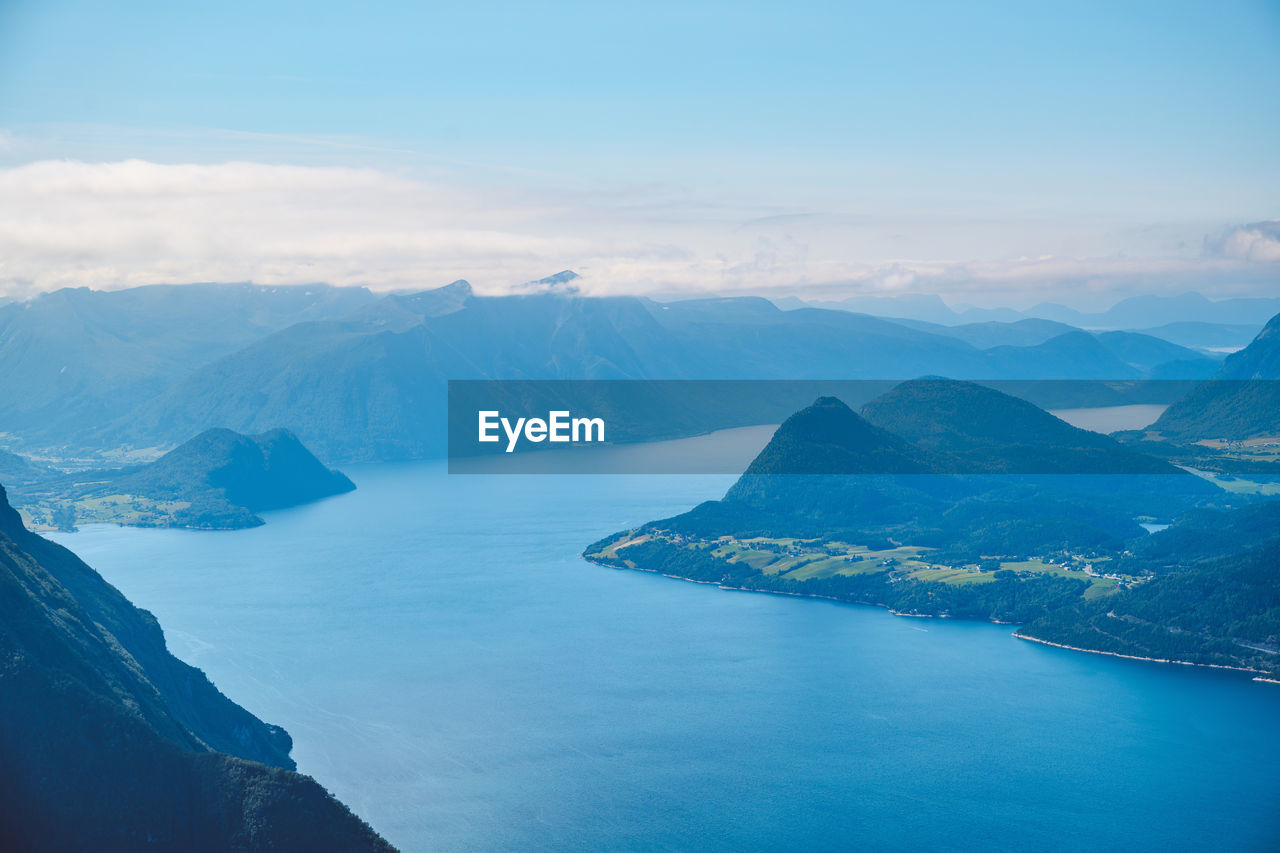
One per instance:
(719, 585)
(1021, 636)
(1260, 676)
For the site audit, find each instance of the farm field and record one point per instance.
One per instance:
(807, 559)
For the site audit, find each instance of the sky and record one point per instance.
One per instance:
(994, 153)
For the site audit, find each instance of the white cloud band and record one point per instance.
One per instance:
(105, 225)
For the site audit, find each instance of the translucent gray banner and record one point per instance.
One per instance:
(930, 425)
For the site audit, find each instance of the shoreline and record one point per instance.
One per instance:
(832, 598)
(1028, 637)
(1261, 674)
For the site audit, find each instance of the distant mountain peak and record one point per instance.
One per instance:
(561, 282)
(461, 286)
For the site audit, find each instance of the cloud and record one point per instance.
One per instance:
(119, 224)
(1258, 242)
(134, 222)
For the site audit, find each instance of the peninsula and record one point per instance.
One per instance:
(219, 480)
(839, 506)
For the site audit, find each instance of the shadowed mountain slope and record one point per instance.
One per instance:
(108, 742)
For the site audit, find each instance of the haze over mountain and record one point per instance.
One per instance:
(985, 335)
(368, 384)
(359, 377)
(76, 356)
(359, 390)
(110, 743)
(1221, 337)
(1136, 312)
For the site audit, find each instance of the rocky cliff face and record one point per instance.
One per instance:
(108, 742)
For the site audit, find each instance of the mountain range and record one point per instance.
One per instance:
(359, 377)
(1149, 312)
(77, 357)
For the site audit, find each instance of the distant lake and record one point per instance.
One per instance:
(452, 670)
(1108, 419)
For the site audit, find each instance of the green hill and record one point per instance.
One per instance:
(217, 480)
(1203, 535)
(1224, 611)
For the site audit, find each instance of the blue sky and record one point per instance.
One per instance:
(717, 146)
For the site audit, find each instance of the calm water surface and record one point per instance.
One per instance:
(1108, 419)
(453, 671)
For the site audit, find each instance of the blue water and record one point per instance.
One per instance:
(453, 671)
